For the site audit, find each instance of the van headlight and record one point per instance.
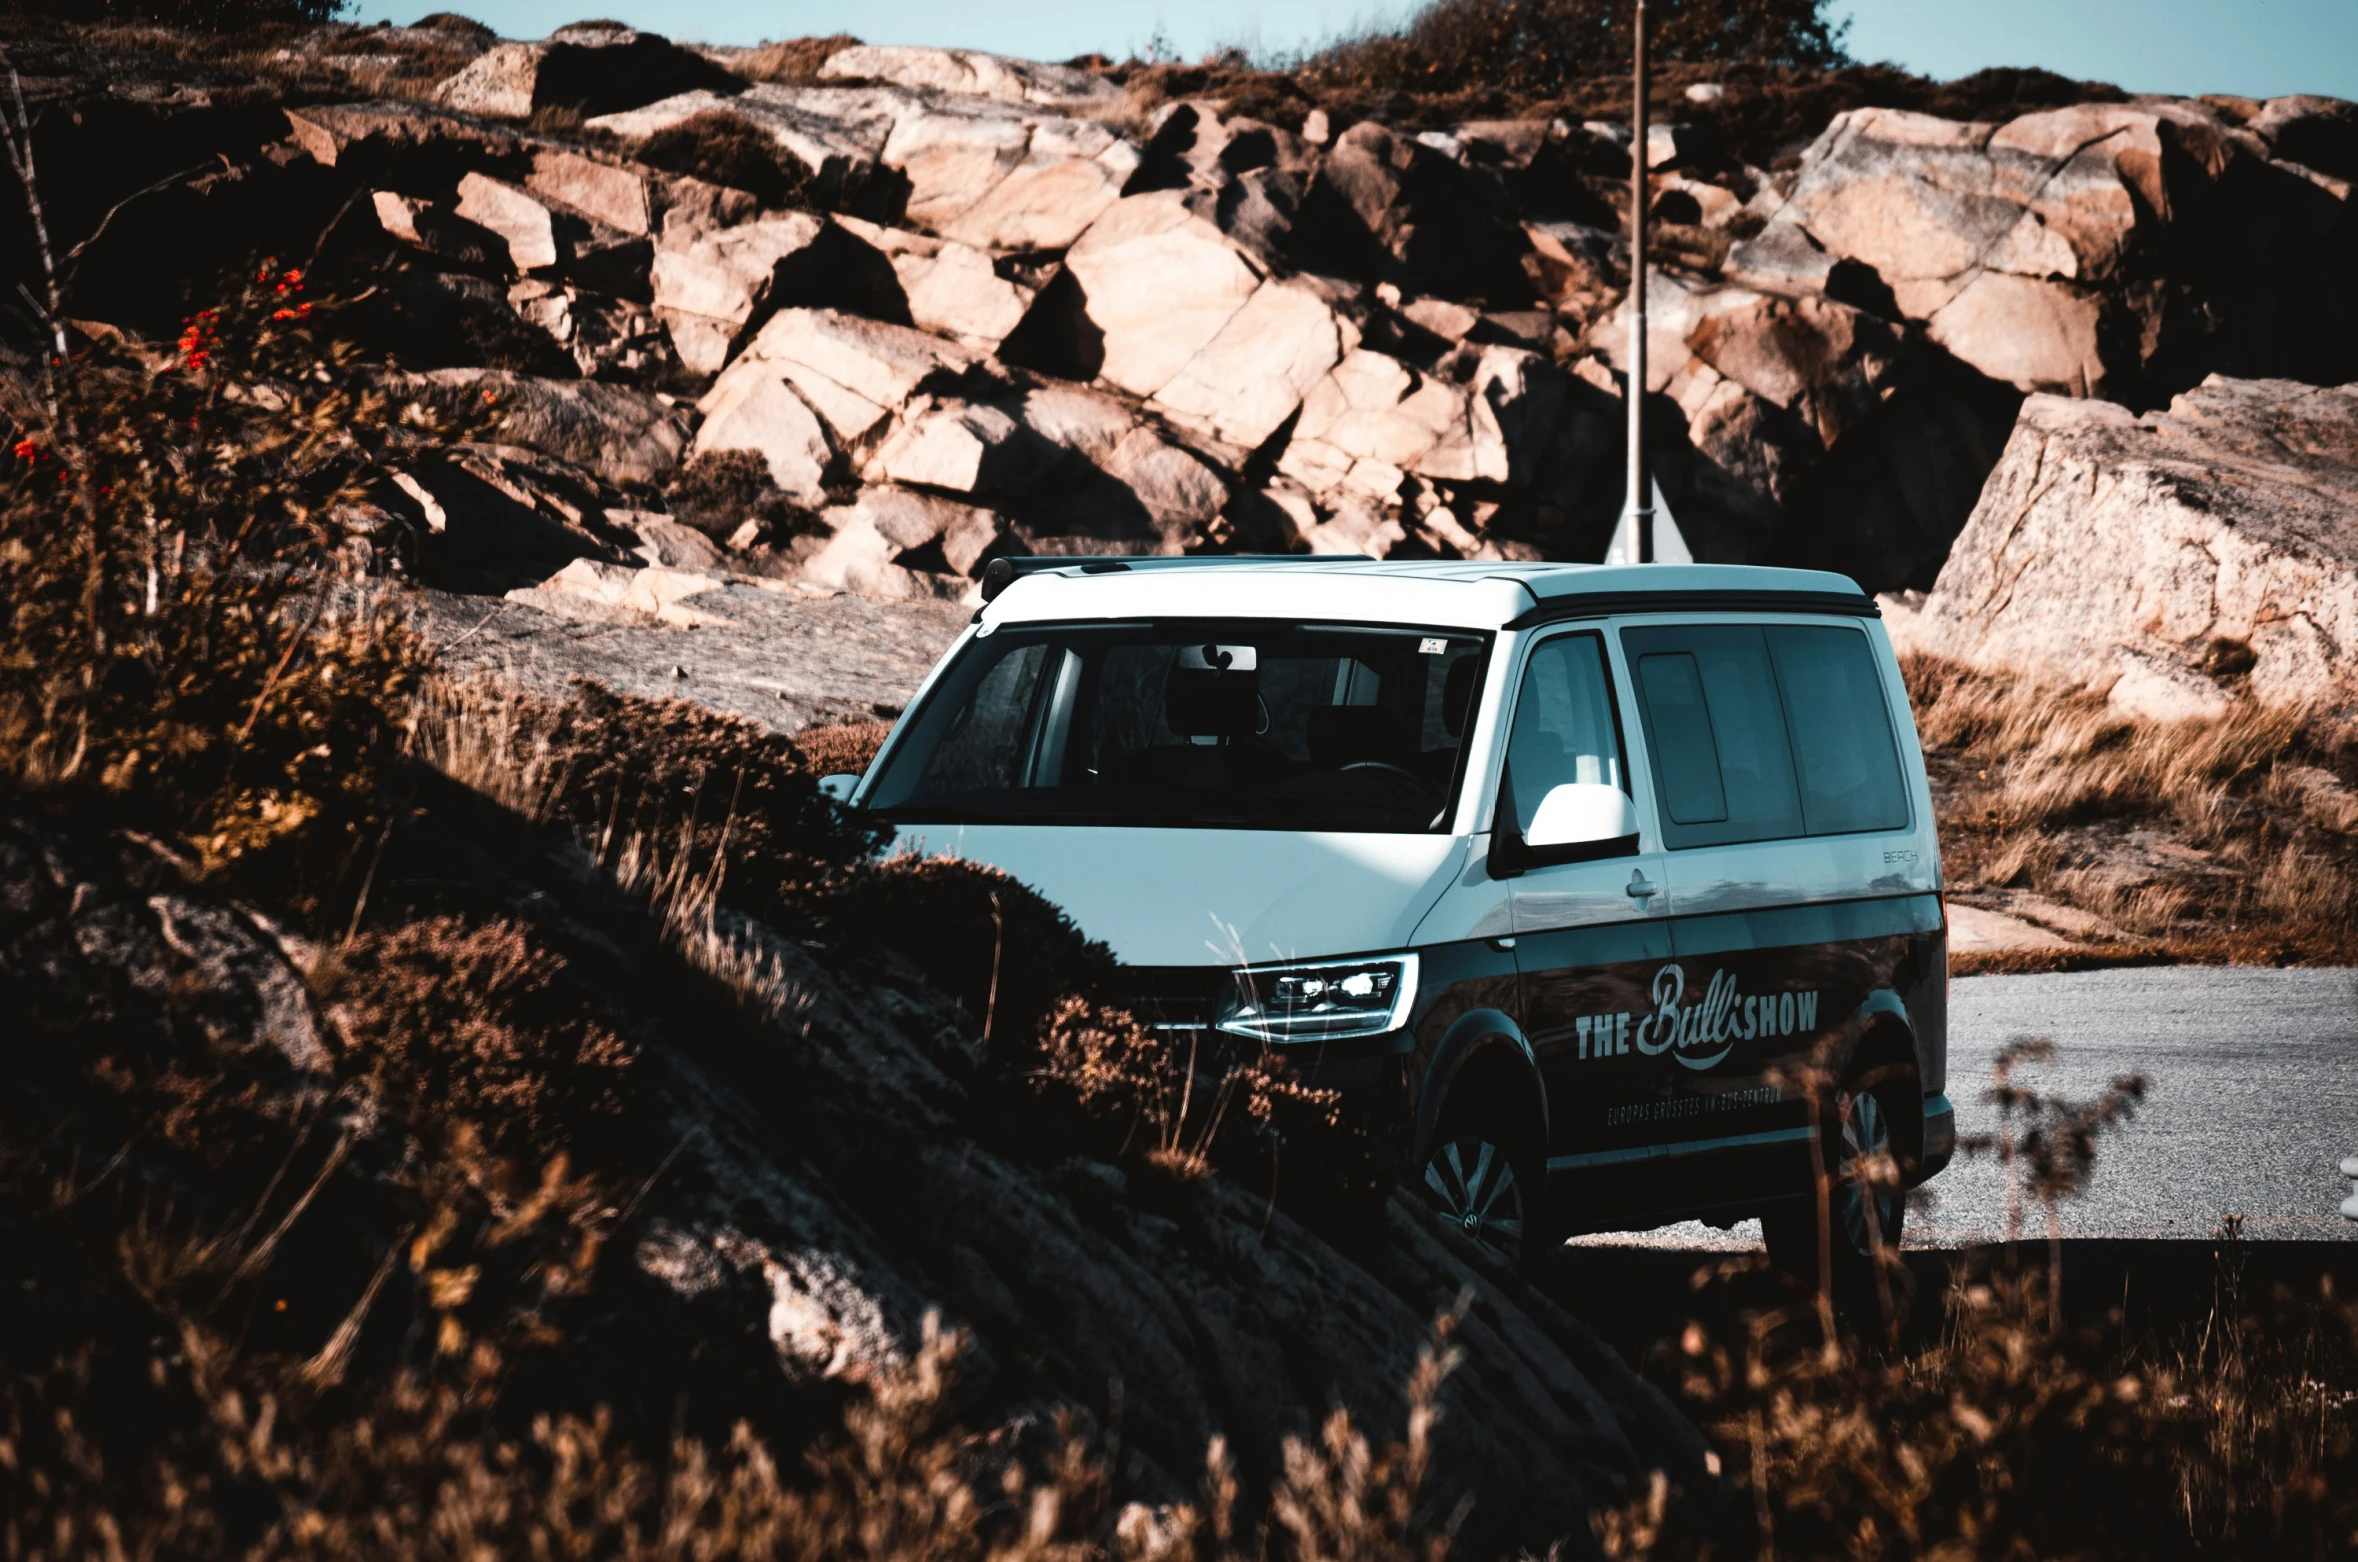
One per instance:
(1323, 1002)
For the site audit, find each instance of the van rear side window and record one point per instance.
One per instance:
(1762, 734)
(1842, 745)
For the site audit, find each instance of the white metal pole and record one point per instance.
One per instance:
(1639, 506)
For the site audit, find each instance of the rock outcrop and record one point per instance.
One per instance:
(2107, 250)
(589, 68)
(2180, 558)
(1346, 335)
(972, 73)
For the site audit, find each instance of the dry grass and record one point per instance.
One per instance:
(794, 62)
(842, 748)
(172, 639)
(723, 148)
(2227, 836)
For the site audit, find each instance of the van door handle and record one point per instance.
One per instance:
(1639, 888)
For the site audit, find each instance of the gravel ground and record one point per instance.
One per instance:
(784, 660)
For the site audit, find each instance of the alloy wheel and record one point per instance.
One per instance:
(1865, 1195)
(1472, 1183)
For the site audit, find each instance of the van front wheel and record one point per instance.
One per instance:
(1482, 1179)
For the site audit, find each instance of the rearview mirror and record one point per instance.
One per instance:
(1579, 821)
(838, 787)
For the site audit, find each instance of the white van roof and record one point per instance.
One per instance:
(1466, 594)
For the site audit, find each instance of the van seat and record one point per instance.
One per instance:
(1359, 734)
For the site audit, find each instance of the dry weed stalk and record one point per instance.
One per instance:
(173, 635)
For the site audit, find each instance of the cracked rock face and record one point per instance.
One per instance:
(2061, 251)
(2177, 558)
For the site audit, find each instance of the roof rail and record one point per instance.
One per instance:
(1007, 569)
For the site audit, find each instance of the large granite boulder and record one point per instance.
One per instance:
(1407, 211)
(816, 388)
(2116, 250)
(546, 237)
(972, 73)
(588, 68)
(709, 285)
(367, 139)
(948, 287)
(1189, 320)
(1813, 432)
(2178, 557)
(979, 170)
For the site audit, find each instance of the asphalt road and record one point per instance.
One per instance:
(2252, 1103)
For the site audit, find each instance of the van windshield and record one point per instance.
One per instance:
(1191, 723)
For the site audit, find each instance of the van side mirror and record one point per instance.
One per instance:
(1580, 821)
(839, 788)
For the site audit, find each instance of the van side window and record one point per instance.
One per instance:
(1764, 733)
(1564, 729)
(1686, 764)
(985, 743)
(1738, 721)
(1841, 725)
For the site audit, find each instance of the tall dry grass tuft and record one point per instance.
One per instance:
(2060, 756)
(2034, 782)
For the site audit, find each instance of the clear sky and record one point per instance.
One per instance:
(2259, 48)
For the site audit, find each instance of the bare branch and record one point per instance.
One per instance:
(74, 255)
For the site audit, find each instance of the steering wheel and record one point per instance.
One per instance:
(1405, 774)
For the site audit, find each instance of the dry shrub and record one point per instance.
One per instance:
(723, 148)
(481, 1022)
(720, 490)
(2303, 885)
(2152, 908)
(415, 1469)
(1535, 47)
(1183, 1110)
(2023, 858)
(702, 817)
(1008, 957)
(794, 62)
(2064, 755)
(174, 638)
(842, 748)
(199, 16)
(452, 22)
(611, 769)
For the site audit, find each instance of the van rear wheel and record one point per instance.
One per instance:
(1865, 1206)
(1482, 1178)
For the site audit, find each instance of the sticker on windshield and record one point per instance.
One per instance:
(1433, 647)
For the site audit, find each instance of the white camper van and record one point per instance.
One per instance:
(1565, 876)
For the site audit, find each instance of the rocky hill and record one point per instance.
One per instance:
(850, 317)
